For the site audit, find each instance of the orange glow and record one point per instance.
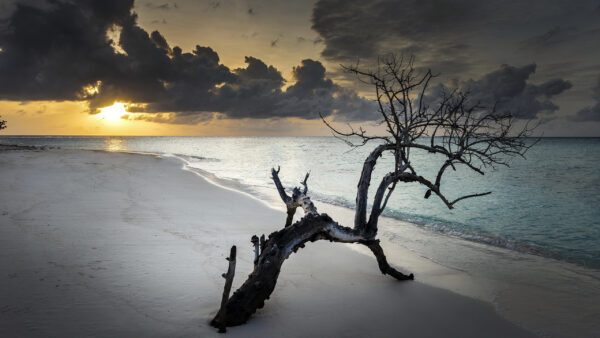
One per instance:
(73, 118)
(112, 113)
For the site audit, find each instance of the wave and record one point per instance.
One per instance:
(435, 225)
(192, 158)
(456, 230)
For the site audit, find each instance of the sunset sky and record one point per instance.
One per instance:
(269, 67)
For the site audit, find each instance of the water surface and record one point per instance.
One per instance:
(546, 204)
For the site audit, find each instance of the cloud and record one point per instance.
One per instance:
(561, 36)
(259, 71)
(354, 28)
(53, 51)
(552, 37)
(454, 36)
(257, 93)
(172, 118)
(163, 7)
(61, 51)
(590, 113)
(508, 89)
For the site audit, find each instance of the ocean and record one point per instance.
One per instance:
(546, 204)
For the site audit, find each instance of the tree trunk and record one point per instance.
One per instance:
(281, 244)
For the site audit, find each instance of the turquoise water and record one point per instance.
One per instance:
(546, 205)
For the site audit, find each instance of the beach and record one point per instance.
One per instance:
(116, 244)
(377, 177)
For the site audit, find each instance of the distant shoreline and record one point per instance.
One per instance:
(274, 136)
(7, 147)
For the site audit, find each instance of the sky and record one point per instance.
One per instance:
(266, 67)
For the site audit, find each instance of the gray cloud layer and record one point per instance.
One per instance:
(466, 38)
(355, 28)
(52, 50)
(591, 113)
(508, 88)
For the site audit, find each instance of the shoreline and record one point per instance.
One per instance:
(119, 244)
(465, 231)
(471, 237)
(505, 300)
(269, 201)
(509, 301)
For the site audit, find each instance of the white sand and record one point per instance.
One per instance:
(114, 244)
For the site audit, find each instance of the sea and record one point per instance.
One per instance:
(546, 204)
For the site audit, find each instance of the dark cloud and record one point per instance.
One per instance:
(560, 36)
(322, 95)
(172, 118)
(160, 41)
(509, 90)
(310, 76)
(62, 52)
(459, 38)
(590, 113)
(52, 52)
(59, 50)
(161, 6)
(355, 28)
(551, 37)
(257, 93)
(259, 71)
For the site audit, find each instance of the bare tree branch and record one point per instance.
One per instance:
(304, 183)
(298, 198)
(464, 132)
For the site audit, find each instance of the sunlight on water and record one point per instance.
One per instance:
(115, 144)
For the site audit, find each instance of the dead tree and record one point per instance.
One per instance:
(448, 125)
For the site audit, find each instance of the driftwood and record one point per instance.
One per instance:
(222, 315)
(450, 126)
(281, 244)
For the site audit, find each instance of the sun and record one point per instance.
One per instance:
(112, 113)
